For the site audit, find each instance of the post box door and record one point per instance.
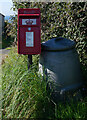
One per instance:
(29, 40)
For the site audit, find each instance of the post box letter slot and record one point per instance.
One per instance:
(28, 21)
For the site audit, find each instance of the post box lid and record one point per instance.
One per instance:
(58, 44)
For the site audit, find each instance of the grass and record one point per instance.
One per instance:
(25, 94)
(8, 48)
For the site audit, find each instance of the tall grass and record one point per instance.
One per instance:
(0, 90)
(25, 94)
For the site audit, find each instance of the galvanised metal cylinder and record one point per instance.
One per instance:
(61, 64)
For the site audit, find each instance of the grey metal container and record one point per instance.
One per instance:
(61, 64)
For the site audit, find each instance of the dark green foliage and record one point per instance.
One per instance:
(7, 39)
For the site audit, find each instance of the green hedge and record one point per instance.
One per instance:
(60, 19)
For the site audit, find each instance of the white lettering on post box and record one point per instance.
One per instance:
(28, 21)
(29, 39)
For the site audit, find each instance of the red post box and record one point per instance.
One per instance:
(29, 31)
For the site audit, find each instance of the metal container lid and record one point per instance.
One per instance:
(58, 44)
